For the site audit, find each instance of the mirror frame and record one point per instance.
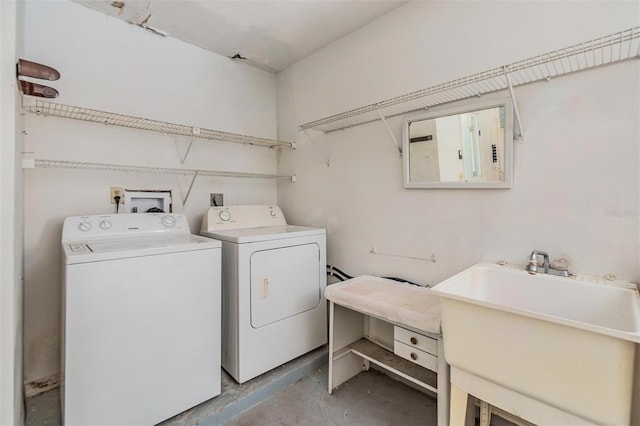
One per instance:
(469, 107)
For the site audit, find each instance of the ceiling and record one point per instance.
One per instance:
(269, 34)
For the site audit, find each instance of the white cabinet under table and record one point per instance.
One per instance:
(393, 325)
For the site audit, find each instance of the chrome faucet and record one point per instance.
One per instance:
(533, 267)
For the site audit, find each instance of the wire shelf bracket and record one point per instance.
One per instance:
(520, 135)
(610, 49)
(193, 180)
(393, 138)
(183, 157)
(46, 108)
(326, 159)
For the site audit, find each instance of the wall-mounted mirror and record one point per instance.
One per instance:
(463, 147)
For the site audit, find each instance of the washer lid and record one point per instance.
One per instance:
(109, 248)
(106, 246)
(264, 233)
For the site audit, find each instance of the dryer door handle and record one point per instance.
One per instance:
(265, 288)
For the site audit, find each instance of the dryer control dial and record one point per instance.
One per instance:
(224, 215)
(84, 226)
(105, 224)
(168, 221)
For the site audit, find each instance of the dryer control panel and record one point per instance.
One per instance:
(246, 216)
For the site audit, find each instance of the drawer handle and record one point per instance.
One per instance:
(414, 341)
(414, 356)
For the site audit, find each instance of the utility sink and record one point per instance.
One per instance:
(567, 342)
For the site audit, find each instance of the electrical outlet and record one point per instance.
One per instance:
(117, 191)
(216, 200)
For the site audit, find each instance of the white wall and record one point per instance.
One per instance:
(576, 190)
(11, 271)
(109, 65)
(576, 184)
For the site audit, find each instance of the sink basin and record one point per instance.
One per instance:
(568, 342)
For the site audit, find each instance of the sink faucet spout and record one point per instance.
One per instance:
(534, 267)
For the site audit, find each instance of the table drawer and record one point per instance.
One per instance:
(416, 340)
(416, 356)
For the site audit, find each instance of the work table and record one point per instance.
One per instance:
(393, 325)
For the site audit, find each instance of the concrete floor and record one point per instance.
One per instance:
(294, 394)
(371, 398)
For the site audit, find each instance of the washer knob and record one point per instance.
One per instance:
(105, 224)
(224, 215)
(273, 213)
(168, 221)
(84, 226)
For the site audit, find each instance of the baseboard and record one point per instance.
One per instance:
(39, 386)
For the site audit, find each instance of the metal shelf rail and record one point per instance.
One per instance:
(149, 170)
(609, 49)
(194, 173)
(47, 108)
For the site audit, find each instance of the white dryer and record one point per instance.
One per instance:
(141, 319)
(273, 281)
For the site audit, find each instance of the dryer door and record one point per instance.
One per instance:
(285, 281)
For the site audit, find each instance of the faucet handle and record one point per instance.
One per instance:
(560, 264)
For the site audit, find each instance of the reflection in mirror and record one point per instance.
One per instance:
(468, 147)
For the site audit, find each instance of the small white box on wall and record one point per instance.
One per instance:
(147, 201)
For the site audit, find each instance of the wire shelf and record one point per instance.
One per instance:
(149, 170)
(46, 108)
(610, 49)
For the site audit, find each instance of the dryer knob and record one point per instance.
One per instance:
(224, 215)
(84, 226)
(105, 224)
(168, 221)
(273, 213)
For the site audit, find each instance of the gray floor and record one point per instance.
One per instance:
(371, 398)
(43, 409)
(294, 394)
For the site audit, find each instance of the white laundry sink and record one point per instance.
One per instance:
(567, 342)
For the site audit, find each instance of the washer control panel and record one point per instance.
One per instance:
(169, 221)
(106, 224)
(85, 226)
(246, 216)
(81, 227)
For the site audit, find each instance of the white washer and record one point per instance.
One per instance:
(273, 281)
(141, 319)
